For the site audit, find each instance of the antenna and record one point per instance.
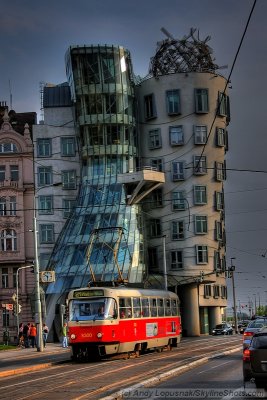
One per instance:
(10, 94)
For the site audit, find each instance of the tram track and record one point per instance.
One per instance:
(84, 381)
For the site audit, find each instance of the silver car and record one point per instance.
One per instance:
(253, 327)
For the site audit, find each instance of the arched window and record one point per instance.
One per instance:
(8, 240)
(8, 148)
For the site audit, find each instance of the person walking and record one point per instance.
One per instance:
(64, 335)
(33, 334)
(45, 333)
(21, 338)
(26, 335)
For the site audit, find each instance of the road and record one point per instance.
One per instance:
(106, 379)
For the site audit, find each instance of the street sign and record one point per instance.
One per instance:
(9, 307)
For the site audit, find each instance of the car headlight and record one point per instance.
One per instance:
(73, 336)
(99, 335)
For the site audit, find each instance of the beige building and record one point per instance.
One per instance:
(183, 133)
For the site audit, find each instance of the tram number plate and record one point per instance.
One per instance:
(86, 335)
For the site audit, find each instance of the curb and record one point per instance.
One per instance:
(179, 370)
(18, 371)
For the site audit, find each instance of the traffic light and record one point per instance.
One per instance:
(15, 309)
(19, 308)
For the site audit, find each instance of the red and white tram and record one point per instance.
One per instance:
(105, 321)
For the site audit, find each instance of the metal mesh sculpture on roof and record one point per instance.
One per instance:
(189, 54)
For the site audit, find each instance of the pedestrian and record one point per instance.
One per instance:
(45, 333)
(33, 334)
(21, 338)
(64, 335)
(26, 335)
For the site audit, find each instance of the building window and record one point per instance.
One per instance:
(68, 205)
(201, 224)
(223, 105)
(45, 205)
(15, 275)
(201, 101)
(202, 254)
(207, 291)
(44, 176)
(88, 224)
(4, 278)
(221, 137)
(173, 102)
(216, 291)
(178, 171)
(176, 135)
(68, 146)
(217, 261)
(218, 231)
(8, 240)
(2, 173)
(177, 230)
(155, 227)
(150, 107)
(155, 200)
(220, 171)
(178, 200)
(200, 134)
(8, 148)
(154, 139)
(153, 265)
(219, 201)
(223, 292)
(5, 317)
(3, 206)
(14, 173)
(176, 259)
(69, 179)
(13, 205)
(223, 264)
(200, 165)
(200, 194)
(44, 147)
(157, 164)
(47, 233)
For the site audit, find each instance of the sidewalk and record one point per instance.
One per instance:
(19, 360)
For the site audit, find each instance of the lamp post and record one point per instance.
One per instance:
(164, 263)
(17, 292)
(232, 270)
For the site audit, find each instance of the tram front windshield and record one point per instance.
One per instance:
(92, 309)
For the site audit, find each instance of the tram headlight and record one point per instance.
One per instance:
(73, 336)
(99, 335)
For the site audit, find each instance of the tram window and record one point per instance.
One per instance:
(145, 307)
(160, 307)
(153, 307)
(136, 307)
(92, 309)
(125, 305)
(174, 307)
(167, 307)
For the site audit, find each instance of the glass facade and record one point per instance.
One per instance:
(103, 235)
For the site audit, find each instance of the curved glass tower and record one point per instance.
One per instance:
(102, 239)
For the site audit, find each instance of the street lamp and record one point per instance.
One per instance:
(17, 292)
(164, 263)
(231, 269)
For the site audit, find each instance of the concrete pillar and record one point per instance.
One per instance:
(190, 310)
(215, 317)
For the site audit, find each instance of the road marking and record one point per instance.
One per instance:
(215, 366)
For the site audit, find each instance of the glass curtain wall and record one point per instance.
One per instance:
(102, 238)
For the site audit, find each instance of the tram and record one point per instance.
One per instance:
(110, 321)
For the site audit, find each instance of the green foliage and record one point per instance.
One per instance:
(7, 347)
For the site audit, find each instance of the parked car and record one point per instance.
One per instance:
(255, 359)
(252, 328)
(223, 329)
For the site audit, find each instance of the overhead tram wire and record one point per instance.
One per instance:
(228, 80)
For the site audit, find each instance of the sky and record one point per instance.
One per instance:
(35, 36)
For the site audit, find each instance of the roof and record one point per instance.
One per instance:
(57, 96)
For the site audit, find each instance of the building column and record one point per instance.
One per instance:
(190, 310)
(215, 317)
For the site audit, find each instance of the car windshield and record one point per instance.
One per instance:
(258, 324)
(92, 309)
(220, 326)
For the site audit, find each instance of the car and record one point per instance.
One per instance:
(223, 329)
(255, 359)
(252, 328)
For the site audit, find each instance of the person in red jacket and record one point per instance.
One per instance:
(33, 333)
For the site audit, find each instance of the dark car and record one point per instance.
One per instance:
(255, 359)
(223, 329)
(253, 327)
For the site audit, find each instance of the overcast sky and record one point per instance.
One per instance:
(36, 34)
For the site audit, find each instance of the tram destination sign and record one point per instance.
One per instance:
(88, 293)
